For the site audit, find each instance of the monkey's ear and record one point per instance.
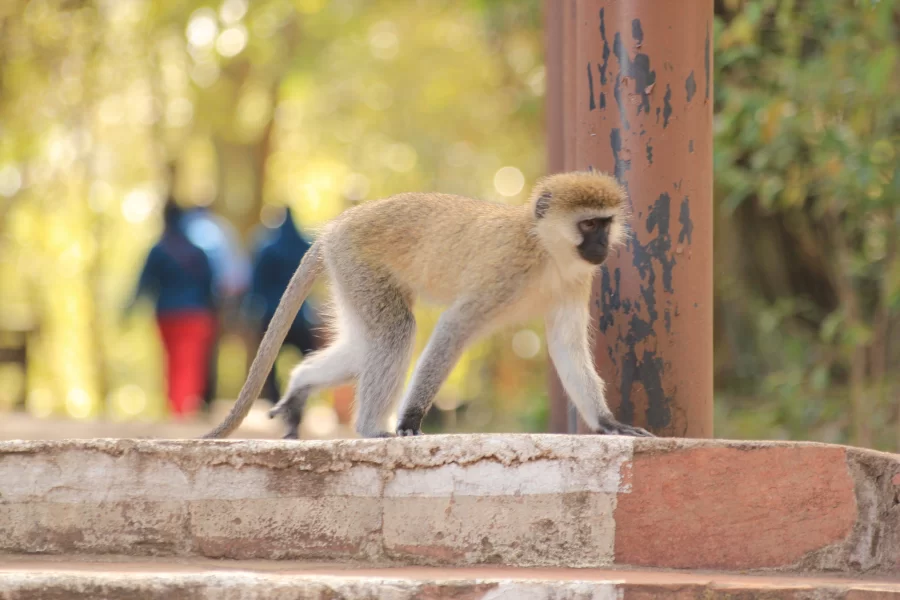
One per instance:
(542, 205)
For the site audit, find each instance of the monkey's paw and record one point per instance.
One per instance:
(609, 426)
(408, 432)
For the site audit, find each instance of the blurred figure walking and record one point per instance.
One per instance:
(179, 275)
(275, 259)
(231, 278)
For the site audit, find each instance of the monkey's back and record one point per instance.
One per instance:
(439, 244)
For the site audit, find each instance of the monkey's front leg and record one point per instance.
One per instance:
(567, 340)
(453, 331)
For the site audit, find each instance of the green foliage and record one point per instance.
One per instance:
(807, 143)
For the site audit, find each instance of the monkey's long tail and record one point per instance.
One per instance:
(297, 291)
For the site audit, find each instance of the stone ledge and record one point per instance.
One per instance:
(455, 500)
(494, 584)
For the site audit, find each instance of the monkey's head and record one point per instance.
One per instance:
(582, 212)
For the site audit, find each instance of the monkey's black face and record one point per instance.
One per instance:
(595, 245)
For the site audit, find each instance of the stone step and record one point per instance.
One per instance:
(460, 500)
(198, 579)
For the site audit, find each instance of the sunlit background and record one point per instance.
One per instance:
(247, 106)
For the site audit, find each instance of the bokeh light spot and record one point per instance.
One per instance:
(526, 343)
(202, 28)
(232, 41)
(509, 181)
(130, 400)
(78, 403)
(138, 205)
(232, 11)
(10, 180)
(384, 41)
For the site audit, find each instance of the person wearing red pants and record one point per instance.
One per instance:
(179, 275)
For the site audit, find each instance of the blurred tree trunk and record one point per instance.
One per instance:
(84, 175)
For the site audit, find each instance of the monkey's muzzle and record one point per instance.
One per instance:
(595, 247)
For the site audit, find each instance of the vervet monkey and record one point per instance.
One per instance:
(490, 264)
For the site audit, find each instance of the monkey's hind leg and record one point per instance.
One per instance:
(326, 368)
(381, 314)
(389, 353)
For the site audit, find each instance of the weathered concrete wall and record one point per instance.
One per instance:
(541, 500)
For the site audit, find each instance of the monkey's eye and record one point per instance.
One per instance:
(589, 225)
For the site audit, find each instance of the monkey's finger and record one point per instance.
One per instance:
(611, 427)
(408, 432)
(634, 431)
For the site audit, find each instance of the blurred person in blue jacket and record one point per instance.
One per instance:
(276, 257)
(178, 275)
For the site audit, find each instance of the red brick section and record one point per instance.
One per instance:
(751, 592)
(872, 595)
(733, 508)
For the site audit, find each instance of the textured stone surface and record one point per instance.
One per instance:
(432, 500)
(500, 584)
(522, 500)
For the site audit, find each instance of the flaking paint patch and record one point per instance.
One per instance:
(622, 164)
(667, 106)
(637, 32)
(593, 104)
(687, 225)
(610, 297)
(637, 70)
(602, 67)
(690, 86)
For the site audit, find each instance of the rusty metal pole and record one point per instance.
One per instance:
(560, 14)
(570, 85)
(643, 111)
(554, 128)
